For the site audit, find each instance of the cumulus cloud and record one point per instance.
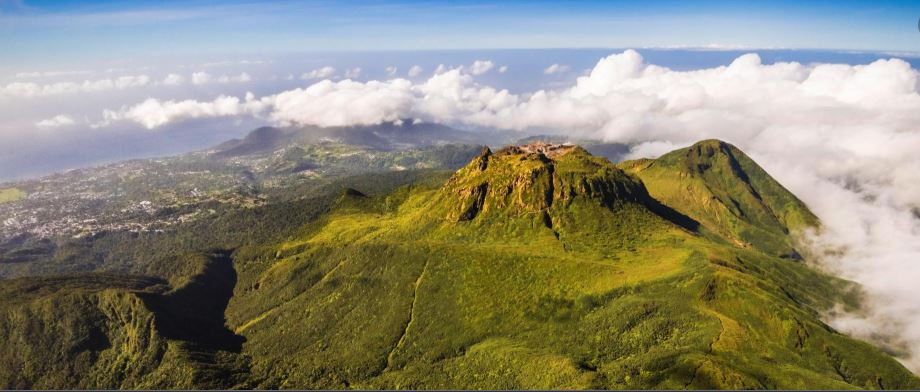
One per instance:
(391, 71)
(353, 73)
(55, 122)
(173, 80)
(444, 97)
(556, 68)
(842, 137)
(503, 69)
(415, 71)
(319, 73)
(241, 78)
(199, 78)
(480, 67)
(153, 113)
(31, 89)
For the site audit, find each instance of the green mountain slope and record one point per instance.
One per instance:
(545, 269)
(106, 331)
(718, 185)
(540, 266)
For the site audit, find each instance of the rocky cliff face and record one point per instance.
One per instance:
(534, 178)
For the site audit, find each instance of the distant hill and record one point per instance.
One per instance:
(386, 136)
(538, 266)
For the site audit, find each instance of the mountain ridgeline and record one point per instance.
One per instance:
(539, 266)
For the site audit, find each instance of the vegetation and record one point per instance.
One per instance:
(529, 268)
(522, 263)
(104, 331)
(10, 195)
(718, 185)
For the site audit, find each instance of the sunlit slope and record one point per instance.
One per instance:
(716, 184)
(545, 269)
(106, 331)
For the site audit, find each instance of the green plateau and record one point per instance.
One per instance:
(538, 266)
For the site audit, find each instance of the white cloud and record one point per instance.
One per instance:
(444, 97)
(153, 113)
(320, 73)
(503, 69)
(480, 67)
(391, 71)
(173, 80)
(227, 63)
(555, 68)
(49, 74)
(414, 71)
(441, 69)
(353, 73)
(55, 122)
(30, 89)
(201, 78)
(241, 78)
(325, 103)
(844, 138)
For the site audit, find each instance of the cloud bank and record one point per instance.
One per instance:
(17, 90)
(842, 137)
(31, 89)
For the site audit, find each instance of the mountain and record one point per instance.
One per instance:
(532, 267)
(386, 136)
(721, 187)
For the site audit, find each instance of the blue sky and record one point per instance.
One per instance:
(41, 31)
(62, 58)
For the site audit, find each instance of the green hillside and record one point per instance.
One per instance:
(719, 186)
(533, 267)
(532, 270)
(10, 195)
(106, 331)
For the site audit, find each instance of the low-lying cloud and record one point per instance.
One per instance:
(842, 137)
(555, 69)
(480, 67)
(58, 121)
(199, 78)
(153, 113)
(49, 74)
(319, 73)
(32, 89)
